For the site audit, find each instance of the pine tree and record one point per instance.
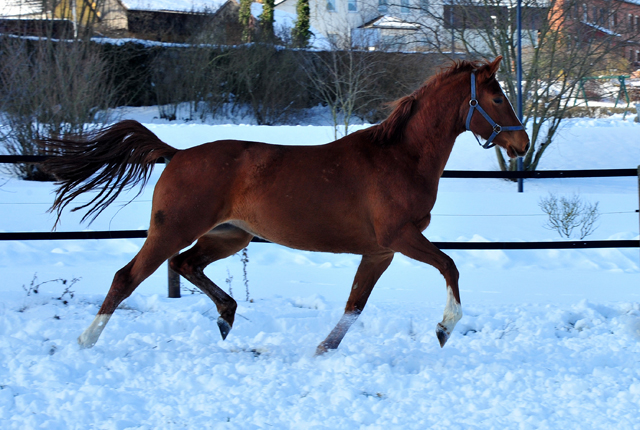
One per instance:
(266, 19)
(301, 32)
(244, 16)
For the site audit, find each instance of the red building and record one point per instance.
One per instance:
(617, 19)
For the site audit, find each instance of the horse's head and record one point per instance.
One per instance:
(490, 115)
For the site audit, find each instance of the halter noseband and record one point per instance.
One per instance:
(496, 127)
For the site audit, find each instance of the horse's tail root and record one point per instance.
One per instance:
(110, 159)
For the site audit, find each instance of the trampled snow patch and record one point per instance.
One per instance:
(161, 364)
(549, 338)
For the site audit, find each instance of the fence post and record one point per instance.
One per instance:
(174, 283)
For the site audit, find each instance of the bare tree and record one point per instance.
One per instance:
(345, 80)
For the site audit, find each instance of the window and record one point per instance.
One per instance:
(630, 23)
(383, 6)
(585, 13)
(331, 5)
(404, 6)
(352, 6)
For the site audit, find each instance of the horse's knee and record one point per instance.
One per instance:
(183, 265)
(176, 263)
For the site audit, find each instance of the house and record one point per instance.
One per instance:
(22, 17)
(618, 20)
(160, 20)
(388, 33)
(179, 21)
(416, 25)
(372, 24)
(628, 18)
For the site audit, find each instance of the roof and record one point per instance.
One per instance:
(600, 28)
(389, 23)
(19, 8)
(175, 5)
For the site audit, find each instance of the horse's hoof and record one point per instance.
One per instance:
(224, 327)
(442, 334)
(320, 350)
(84, 342)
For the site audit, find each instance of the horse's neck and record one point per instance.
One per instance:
(434, 127)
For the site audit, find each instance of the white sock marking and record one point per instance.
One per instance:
(90, 336)
(452, 312)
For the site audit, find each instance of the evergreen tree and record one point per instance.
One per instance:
(266, 19)
(244, 16)
(301, 32)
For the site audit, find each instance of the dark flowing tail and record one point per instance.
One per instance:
(110, 160)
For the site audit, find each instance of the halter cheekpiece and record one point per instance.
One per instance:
(475, 105)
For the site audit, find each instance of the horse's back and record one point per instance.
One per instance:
(306, 197)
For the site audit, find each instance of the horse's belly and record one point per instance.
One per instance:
(333, 238)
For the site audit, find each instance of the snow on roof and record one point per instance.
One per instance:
(390, 22)
(175, 5)
(600, 28)
(19, 8)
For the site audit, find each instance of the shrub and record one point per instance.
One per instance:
(50, 88)
(567, 214)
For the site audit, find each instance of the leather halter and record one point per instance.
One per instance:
(475, 105)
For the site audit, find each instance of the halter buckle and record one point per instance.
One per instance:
(473, 102)
(497, 129)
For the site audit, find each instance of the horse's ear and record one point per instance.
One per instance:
(487, 71)
(494, 65)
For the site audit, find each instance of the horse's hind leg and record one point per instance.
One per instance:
(221, 242)
(370, 269)
(155, 251)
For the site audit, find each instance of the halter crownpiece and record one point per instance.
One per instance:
(475, 105)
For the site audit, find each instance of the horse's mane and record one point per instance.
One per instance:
(391, 129)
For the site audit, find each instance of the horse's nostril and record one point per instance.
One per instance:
(526, 148)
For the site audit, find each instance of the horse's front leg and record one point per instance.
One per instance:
(370, 269)
(413, 244)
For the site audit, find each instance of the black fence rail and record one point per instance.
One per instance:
(174, 282)
(468, 174)
(474, 174)
(141, 234)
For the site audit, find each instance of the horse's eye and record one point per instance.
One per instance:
(497, 100)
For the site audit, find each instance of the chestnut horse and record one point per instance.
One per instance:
(369, 193)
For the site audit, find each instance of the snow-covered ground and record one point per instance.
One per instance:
(550, 339)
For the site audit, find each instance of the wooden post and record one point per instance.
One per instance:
(174, 283)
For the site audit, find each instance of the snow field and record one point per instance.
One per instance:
(161, 364)
(549, 339)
